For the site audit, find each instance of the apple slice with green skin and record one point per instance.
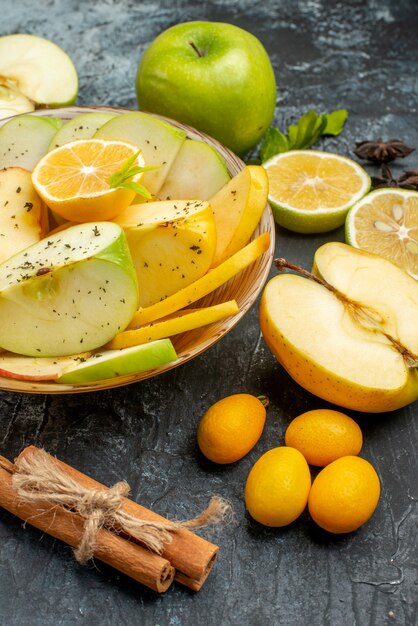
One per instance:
(80, 127)
(13, 102)
(198, 171)
(237, 209)
(39, 69)
(111, 363)
(158, 141)
(358, 353)
(172, 245)
(23, 215)
(25, 139)
(37, 368)
(71, 291)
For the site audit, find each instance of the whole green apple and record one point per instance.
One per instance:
(214, 76)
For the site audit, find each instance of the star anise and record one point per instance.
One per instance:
(408, 180)
(380, 151)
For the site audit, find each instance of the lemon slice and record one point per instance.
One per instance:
(386, 222)
(311, 191)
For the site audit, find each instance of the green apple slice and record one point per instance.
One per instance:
(38, 68)
(23, 215)
(111, 363)
(198, 171)
(37, 368)
(71, 291)
(13, 102)
(159, 142)
(80, 127)
(25, 139)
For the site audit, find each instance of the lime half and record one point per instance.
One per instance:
(386, 222)
(311, 191)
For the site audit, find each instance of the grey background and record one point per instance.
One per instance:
(326, 55)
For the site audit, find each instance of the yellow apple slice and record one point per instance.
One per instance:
(208, 283)
(23, 217)
(174, 325)
(237, 209)
(172, 244)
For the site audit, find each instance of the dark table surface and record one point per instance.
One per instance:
(326, 55)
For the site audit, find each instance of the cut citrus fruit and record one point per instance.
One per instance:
(311, 191)
(386, 222)
(73, 179)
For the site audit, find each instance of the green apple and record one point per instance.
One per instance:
(25, 139)
(198, 171)
(158, 141)
(38, 69)
(348, 336)
(80, 127)
(23, 215)
(214, 76)
(13, 102)
(111, 363)
(71, 291)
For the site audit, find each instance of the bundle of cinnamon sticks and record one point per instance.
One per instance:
(185, 557)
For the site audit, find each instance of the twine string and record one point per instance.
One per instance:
(38, 478)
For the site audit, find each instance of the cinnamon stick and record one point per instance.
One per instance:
(131, 559)
(191, 556)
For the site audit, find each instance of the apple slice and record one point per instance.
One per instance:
(37, 368)
(198, 171)
(13, 102)
(172, 245)
(111, 363)
(25, 139)
(73, 290)
(237, 209)
(209, 282)
(39, 69)
(358, 353)
(80, 127)
(175, 325)
(23, 216)
(159, 142)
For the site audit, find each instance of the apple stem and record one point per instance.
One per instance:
(281, 264)
(196, 49)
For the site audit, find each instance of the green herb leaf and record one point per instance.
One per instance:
(122, 177)
(140, 189)
(335, 122)
(274, 142)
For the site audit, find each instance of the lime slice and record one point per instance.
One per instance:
(386, 222)
(311, 191)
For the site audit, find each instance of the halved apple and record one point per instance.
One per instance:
(39, 69)
(158, 141)
(25, 139)
(23, 216)
(73, 290)
(198, 171)
(13, 102)
(172, 245)
(348, 336)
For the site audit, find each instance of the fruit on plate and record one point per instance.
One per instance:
(348, 336)
(13, 102)
(198, 171)
(158, 141)
(174, 324)
(82, 126)
(237, 209)
(172, 245)
(37, 368)
(324, 435)
(214, 76)
(208, 283)
(386, 222)
(312, 191)
(277, 487)
(25, 139)
(74, 179)
(231, 427)
(344, 495)
(71, 291)
(39, 69)
(111, 363)
(23, 217)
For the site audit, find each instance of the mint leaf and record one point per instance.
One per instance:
(123, 176)
(274, 142)
(139, 189)
(306, 132)
(335, 122)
